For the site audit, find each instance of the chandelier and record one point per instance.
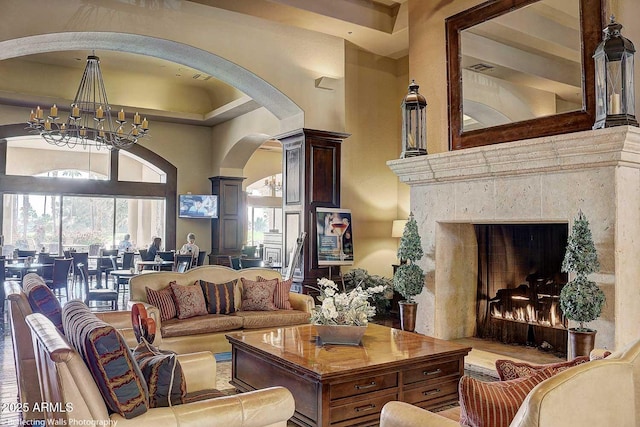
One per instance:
(90, 122)
(273, 185)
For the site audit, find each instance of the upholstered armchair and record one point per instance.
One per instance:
(599, 393)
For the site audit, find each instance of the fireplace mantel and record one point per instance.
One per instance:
(579, 150)
(534, 181)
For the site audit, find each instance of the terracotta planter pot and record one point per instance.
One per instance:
(408, 312)
(580, 343)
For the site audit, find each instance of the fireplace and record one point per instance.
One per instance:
(519, 284)
(537, 181)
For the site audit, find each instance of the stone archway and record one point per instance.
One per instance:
(289, 114)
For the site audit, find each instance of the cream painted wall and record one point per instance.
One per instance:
(369, 188)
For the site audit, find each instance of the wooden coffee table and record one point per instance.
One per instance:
(339, 385)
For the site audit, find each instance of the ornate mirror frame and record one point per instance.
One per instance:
(591, 20)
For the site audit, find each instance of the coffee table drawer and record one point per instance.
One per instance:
(431, 391)
(359, 409)
(431, 372)
(363, 385)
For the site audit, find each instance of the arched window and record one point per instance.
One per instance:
(57, 197)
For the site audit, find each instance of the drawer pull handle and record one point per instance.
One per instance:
(431, 392)
(363, 387)
(365, 408)
(437, 371)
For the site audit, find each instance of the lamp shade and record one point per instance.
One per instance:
(398, 227)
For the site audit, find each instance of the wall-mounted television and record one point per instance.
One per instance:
(198, 206)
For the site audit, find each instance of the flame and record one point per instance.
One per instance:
(528, 314)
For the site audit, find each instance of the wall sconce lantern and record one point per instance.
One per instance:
(414, 123)
(615, 96)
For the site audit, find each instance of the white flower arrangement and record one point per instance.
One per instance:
(345, 308)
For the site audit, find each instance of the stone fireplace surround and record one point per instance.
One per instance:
(541, 180)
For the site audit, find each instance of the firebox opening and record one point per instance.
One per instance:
(519, 284)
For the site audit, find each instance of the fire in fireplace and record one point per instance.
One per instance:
(519, 284)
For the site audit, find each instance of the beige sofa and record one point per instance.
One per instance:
(74, 398)
(207, 333)
(601, 393)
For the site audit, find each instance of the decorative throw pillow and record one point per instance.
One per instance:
(109, 359)
(495, 404)
(163, 300)
(281, 295)
(163, 374)
(258, 296)
(219, 296)
(189, 300)
(510, 370)
(43, 300)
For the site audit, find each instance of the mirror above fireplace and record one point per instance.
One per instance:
(520, 69)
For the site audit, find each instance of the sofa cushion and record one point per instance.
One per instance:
(510, 370)
(163, 300)
(220, 296)
(163, 374)
(110, 361)
(200, 325)
(42, 300)
(270, 319)
(495, 404)
(281, 294)
(189, 300)
(258, 296)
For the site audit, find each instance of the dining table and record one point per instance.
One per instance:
(23, 268)
(156, 265)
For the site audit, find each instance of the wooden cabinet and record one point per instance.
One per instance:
(311, 179)
(227, 231)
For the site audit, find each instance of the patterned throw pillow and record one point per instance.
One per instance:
(258, 296)
(281, 295)
(163, 300)
(109, 359)
(495, 404)
(189, 300)
(510, 370)
(163, 374)
(219, 296)
(43, 300)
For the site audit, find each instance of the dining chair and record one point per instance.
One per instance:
(183, 266)
(60, 277)
(250, 262)
(119, 282)
(235, 262)
(26, 253)
(201, 257)
(166, 256)
(127, 260)
(105, 263)
(98, 295)
(143, 254)
(182, 258)
(82, 258)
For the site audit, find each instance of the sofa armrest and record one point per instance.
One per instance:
(267, 407)
(199, 370)
(400, 414)
(301, 302)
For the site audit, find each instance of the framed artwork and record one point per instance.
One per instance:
(334, 236)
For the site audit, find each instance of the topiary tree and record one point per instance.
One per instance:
(409, 278)
(581, 299)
